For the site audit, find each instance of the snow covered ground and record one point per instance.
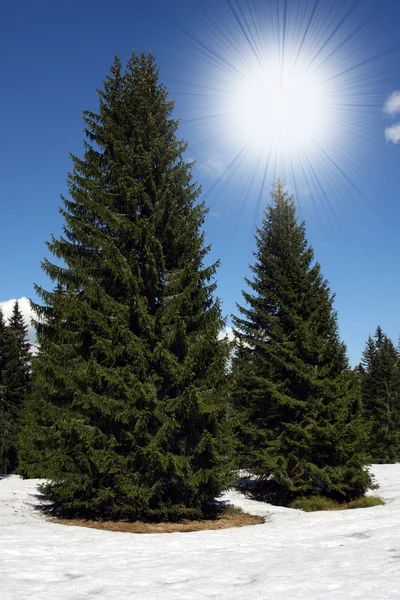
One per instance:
(346, 554)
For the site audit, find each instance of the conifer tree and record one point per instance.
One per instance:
(5, 413)
(20, 329)
(297, 400)
(14, 384)
(380, 384)
(130, 376)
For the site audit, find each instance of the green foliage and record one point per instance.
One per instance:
(298, 405)
(130, 378)
(316, 503)
(233, 511)
(379, 374)
(366, 502)
(14, 384)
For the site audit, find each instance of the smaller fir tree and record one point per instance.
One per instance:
(20, 328)
(14, 382)
(297, 401)
(380, 384)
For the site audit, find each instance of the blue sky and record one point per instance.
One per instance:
(55, 55)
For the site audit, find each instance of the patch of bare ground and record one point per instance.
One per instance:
(232, 517)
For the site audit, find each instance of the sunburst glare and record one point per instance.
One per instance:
(281, 88)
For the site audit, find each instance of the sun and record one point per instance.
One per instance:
(279, 104)
(271, 88)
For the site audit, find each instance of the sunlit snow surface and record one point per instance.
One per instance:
(346, 554)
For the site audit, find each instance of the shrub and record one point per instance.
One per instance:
(366, 502)
(315, 503)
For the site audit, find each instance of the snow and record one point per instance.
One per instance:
(335, 555)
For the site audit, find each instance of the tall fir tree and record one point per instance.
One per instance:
(130, 377)
(14, 384)
(298, 403)
(380, 384)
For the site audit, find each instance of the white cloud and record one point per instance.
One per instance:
(392, 107)
(25, 308)
(392, 104)
(392, 134)
(227, 332)
(215, 167)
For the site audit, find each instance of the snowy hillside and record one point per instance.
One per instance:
(340, 555)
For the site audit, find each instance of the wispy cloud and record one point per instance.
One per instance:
(392, 104)
(25, 308)
(392, 108)
(215, 167)
(392, 134)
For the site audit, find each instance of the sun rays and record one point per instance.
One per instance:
(282, 88)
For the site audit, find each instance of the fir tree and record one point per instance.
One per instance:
(5, 412)
(298, 402)
(14, 384)
(130, 376)
(380, 384)
(20, 329)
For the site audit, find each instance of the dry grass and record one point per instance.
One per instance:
(231, 517)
